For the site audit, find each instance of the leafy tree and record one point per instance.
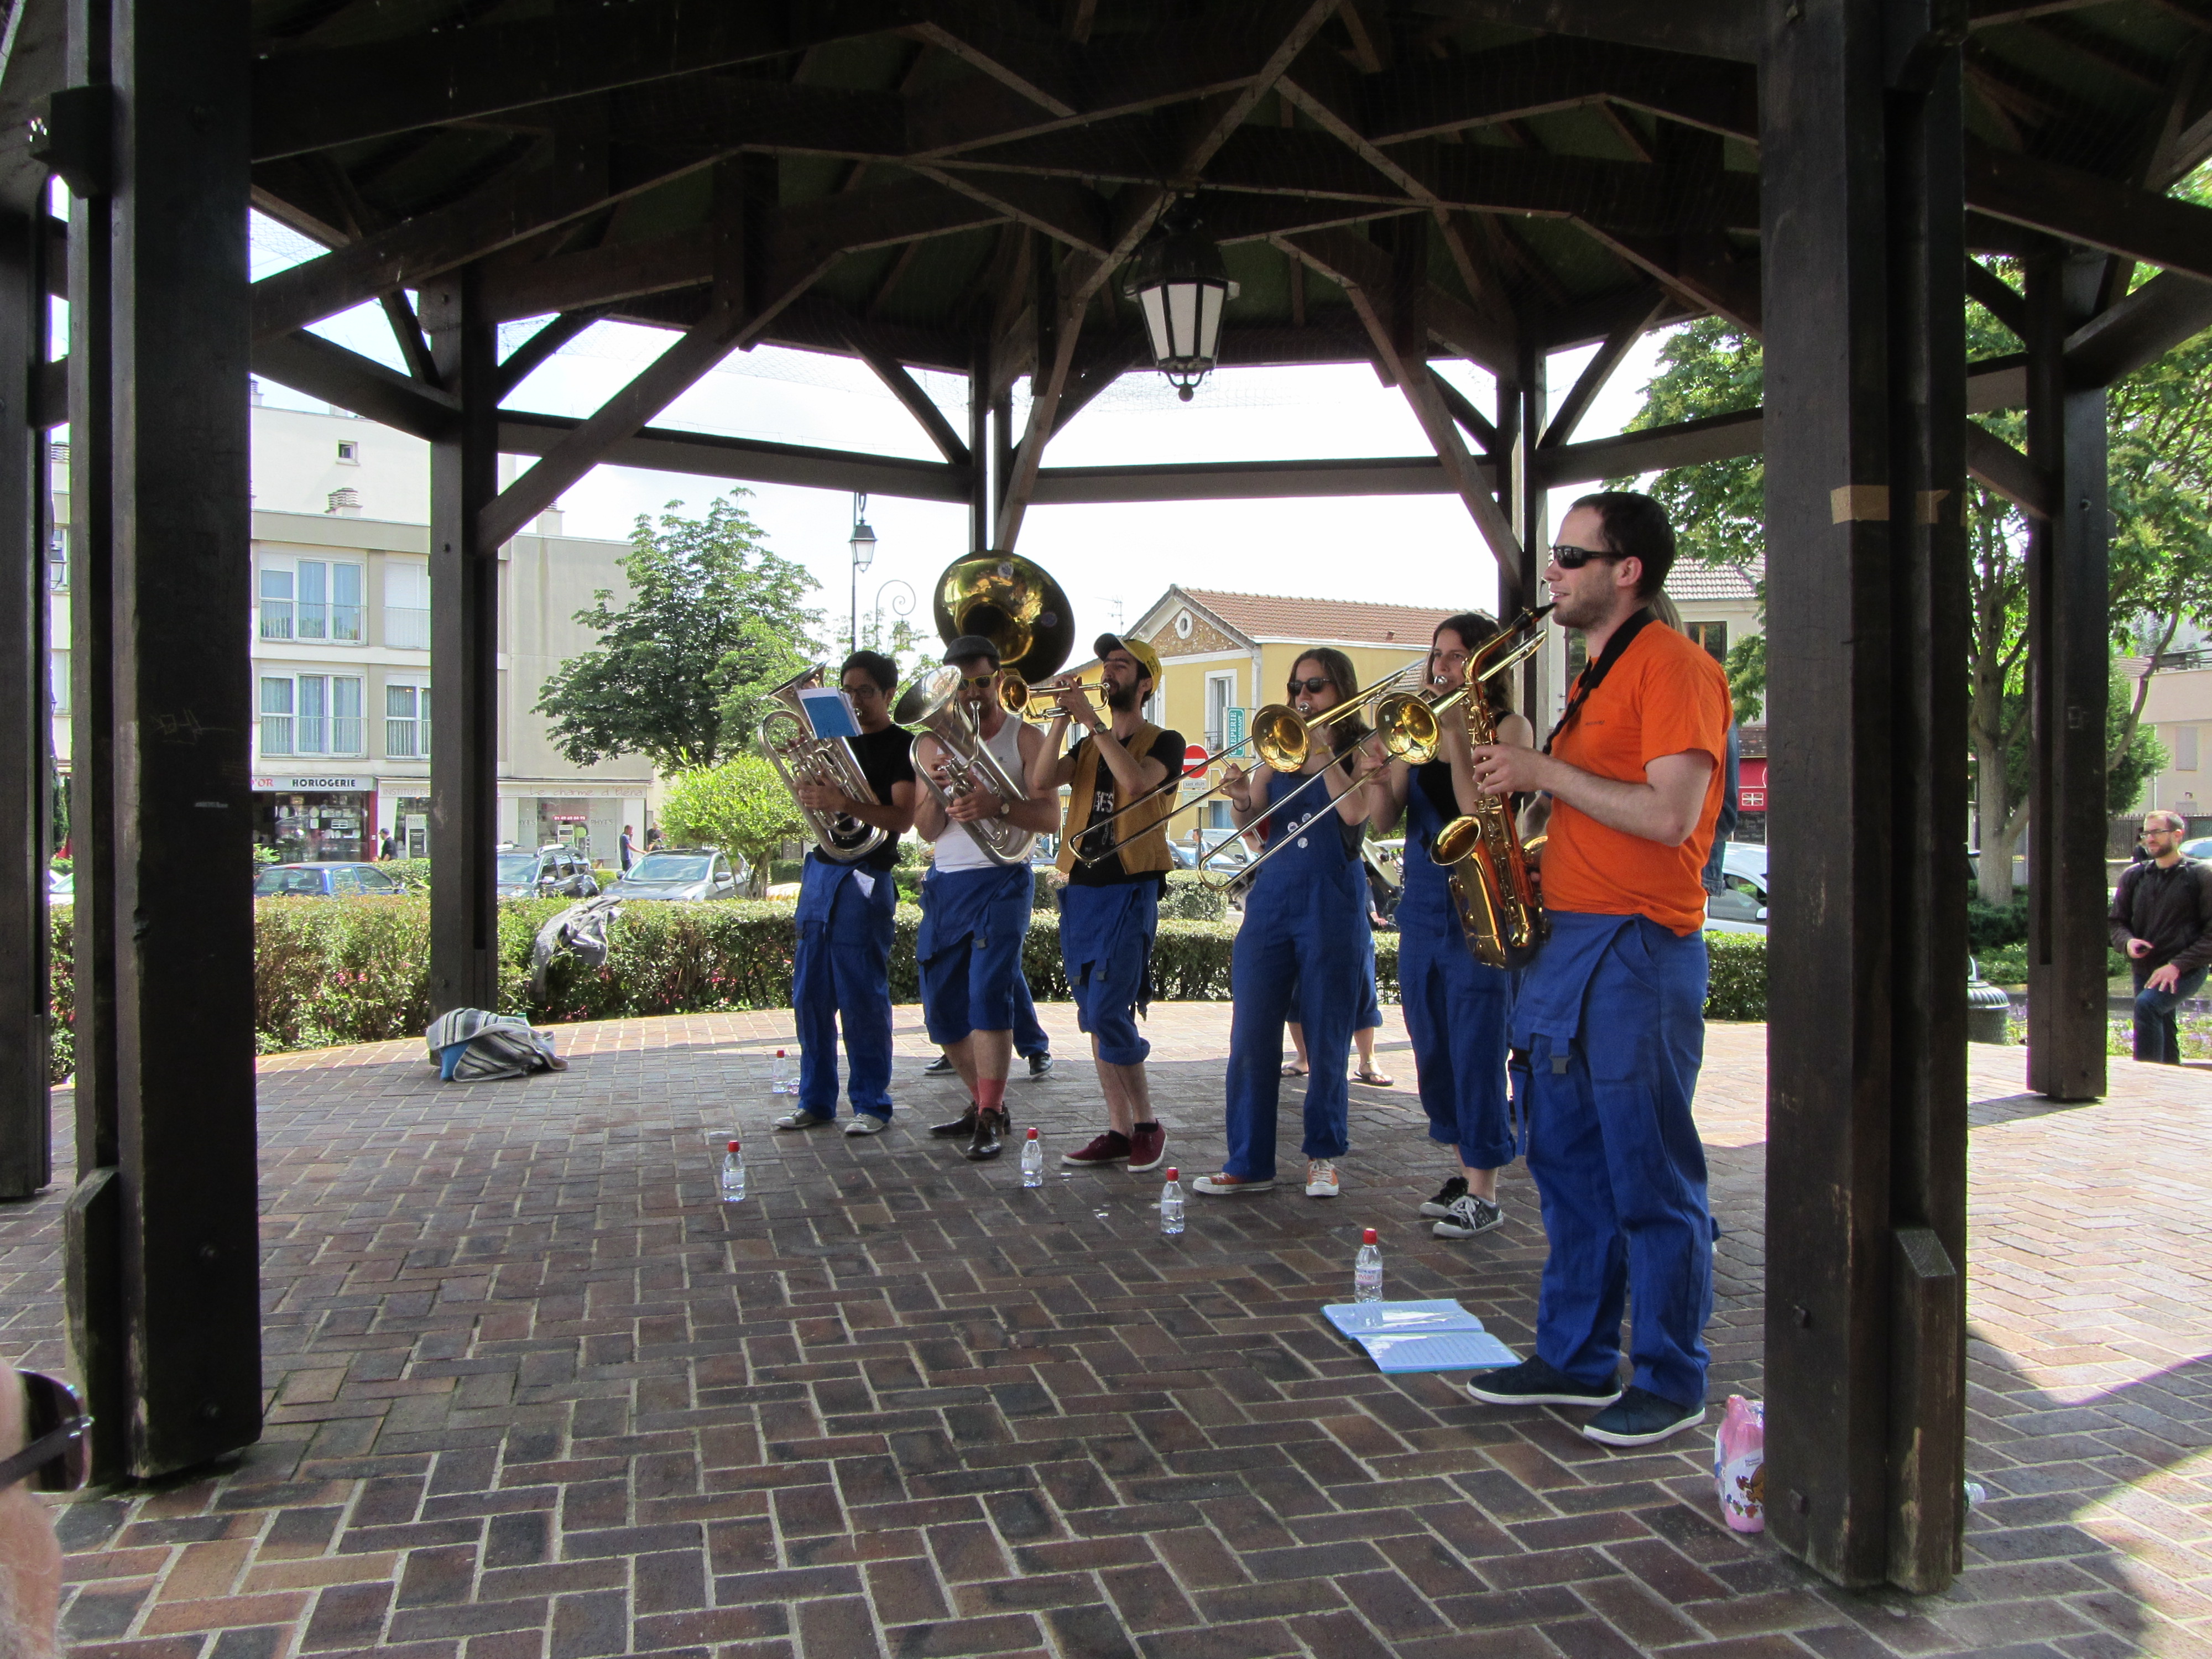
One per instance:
(711, 611)
(740, 806)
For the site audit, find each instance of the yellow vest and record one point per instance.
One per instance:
(1140, 838)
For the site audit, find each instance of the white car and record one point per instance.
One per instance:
(1740, 905)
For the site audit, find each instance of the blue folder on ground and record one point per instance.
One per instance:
(1420, 1336)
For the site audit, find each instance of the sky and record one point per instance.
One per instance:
(1114, 560)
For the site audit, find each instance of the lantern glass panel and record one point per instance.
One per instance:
(1209, 321)
(1182, 319)
(1154, 301)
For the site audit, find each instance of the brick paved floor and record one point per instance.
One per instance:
(531, 1392)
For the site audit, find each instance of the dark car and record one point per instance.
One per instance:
(331, 879)
(552, 872)
(682, 872)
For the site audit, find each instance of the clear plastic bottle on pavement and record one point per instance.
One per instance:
(779, 1080)
(1367, 1270)
(1032, 1161)
(1171, 1205)
(734, 1174)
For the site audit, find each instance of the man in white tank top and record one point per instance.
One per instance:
(975, 911)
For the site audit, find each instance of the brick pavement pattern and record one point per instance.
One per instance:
(533, 1394)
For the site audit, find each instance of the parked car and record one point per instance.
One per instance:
(1225, 849)
(324, 878)
(551, 872)
(1740, 905)
(2199, 848)
(682, 872)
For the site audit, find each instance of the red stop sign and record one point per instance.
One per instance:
(1194, 759)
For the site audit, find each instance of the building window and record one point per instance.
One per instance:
(1713, 636)
(406, 606)
(57, 559)
(58, 668)
(407, 722)
(311, 714)
(2184, 749)
(349, 452)
(1221, 696)
(311, 600)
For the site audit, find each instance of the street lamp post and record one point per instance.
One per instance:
(902, 604)
(863, 544)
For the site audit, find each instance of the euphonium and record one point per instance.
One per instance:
(931, 704)
(788, 740)
(1493, 882)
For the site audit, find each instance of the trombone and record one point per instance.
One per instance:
(1282, 738)
(1025, 701)
(1414, 707)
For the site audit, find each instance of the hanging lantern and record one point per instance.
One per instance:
(1178, 280)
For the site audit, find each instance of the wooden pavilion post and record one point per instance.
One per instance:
(164, 1239)
(982, 502)
(464, 653)
(1860, 151)
(26, 717)
(2069, 668)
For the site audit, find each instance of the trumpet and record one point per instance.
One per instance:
(1025, 701)
(787, 739)
(932, 705)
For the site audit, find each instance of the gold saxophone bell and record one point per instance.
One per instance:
(1493, 879)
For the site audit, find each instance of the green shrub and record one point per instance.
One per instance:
(1989, 927)
(1189, 899)
(416, 873)
(2005, 964)
(61, 992)
(1737, 989)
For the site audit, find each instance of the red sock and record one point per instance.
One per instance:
(991, 1093)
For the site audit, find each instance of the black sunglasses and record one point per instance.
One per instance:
(59, 1455)
(1318, 683)
(1574, 558)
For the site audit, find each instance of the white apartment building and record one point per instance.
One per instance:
(340, 630)
(2180, 708)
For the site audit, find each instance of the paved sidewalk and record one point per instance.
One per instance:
(532, 1392)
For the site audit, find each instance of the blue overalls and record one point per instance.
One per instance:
(1297, 950)
(1455, 1007)
(841, 969)
(1612, 1018)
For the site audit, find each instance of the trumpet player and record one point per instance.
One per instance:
(1609, 1020)
(1455, 1005)
(975, 911)
(840, 970)
(1110, 908)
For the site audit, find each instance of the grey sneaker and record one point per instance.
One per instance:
(799, 1118)
(866, 1123)
(1438, 1208)
(1639, 1417)
(1535, 1382)
(1469, 1216)
(1040, 1065)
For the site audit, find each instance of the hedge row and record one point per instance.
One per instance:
(357, 971)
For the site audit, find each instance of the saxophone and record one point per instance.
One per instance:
(1493, 877)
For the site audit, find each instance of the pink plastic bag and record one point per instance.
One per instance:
(1739, 1464)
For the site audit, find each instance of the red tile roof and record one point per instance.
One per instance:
(1274, 616)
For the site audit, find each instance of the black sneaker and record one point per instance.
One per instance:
(1447, 1195)
(941, 1066)
(1533, 1382)
(1469, 1215)
(1640, 1417)
(1040, 1065)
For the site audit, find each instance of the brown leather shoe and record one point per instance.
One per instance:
(960, 1128)
(990, 1130)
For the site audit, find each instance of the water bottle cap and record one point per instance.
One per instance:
(1368, 1238)
(733, 1145)
(1174, 1174)
(1032, 1135)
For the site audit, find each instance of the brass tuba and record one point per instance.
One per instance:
(931, 704)
(1493, 877)
(787, 739)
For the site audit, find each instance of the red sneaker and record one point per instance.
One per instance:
(1148, 1147)
(1112, 1147)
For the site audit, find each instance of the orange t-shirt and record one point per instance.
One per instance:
(1665, 695)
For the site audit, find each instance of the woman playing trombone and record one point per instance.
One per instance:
(1305, 922)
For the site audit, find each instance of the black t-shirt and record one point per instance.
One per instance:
(1167, 749)
(886, 759)
(1434, 780)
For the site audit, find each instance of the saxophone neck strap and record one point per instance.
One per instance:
(1593, 675)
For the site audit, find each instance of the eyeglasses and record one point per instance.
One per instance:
(865, 688)
(59, 1455)
(1318, 684)
(1574, 558)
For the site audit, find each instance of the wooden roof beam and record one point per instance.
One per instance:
(1707, 28)
(1599, 370)
(2089, 209)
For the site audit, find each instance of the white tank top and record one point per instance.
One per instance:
(956, 848)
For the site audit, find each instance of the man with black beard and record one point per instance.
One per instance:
(1109, 909)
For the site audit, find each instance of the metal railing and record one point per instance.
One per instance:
(407, 627)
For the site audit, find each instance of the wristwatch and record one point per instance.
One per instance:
(1006, 809)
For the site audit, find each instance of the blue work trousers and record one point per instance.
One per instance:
(1615, 1154)
(841, 974)
(2158, 1033)
(1029, 1038)
(1454, 1010)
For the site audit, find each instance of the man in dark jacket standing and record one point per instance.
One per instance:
(2163, 917)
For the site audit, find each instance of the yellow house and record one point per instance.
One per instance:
(1223, 655)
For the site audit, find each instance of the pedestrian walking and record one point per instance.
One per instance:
(2162, 919)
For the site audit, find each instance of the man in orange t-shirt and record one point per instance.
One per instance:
(1609, 1023)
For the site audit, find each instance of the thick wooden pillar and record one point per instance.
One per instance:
(1530, 518)
(2069, 666)
(26, 720)
(1860, 153)
(165, 1253)
(464, 656)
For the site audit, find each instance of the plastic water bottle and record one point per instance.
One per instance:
(734, 1174)
(779, 1080)
(1367, 1270)
(1171, 1205)
(1032, 1160)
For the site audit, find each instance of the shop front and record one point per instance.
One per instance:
(307, 817)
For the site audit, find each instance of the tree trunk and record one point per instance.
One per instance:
(1993, 880)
